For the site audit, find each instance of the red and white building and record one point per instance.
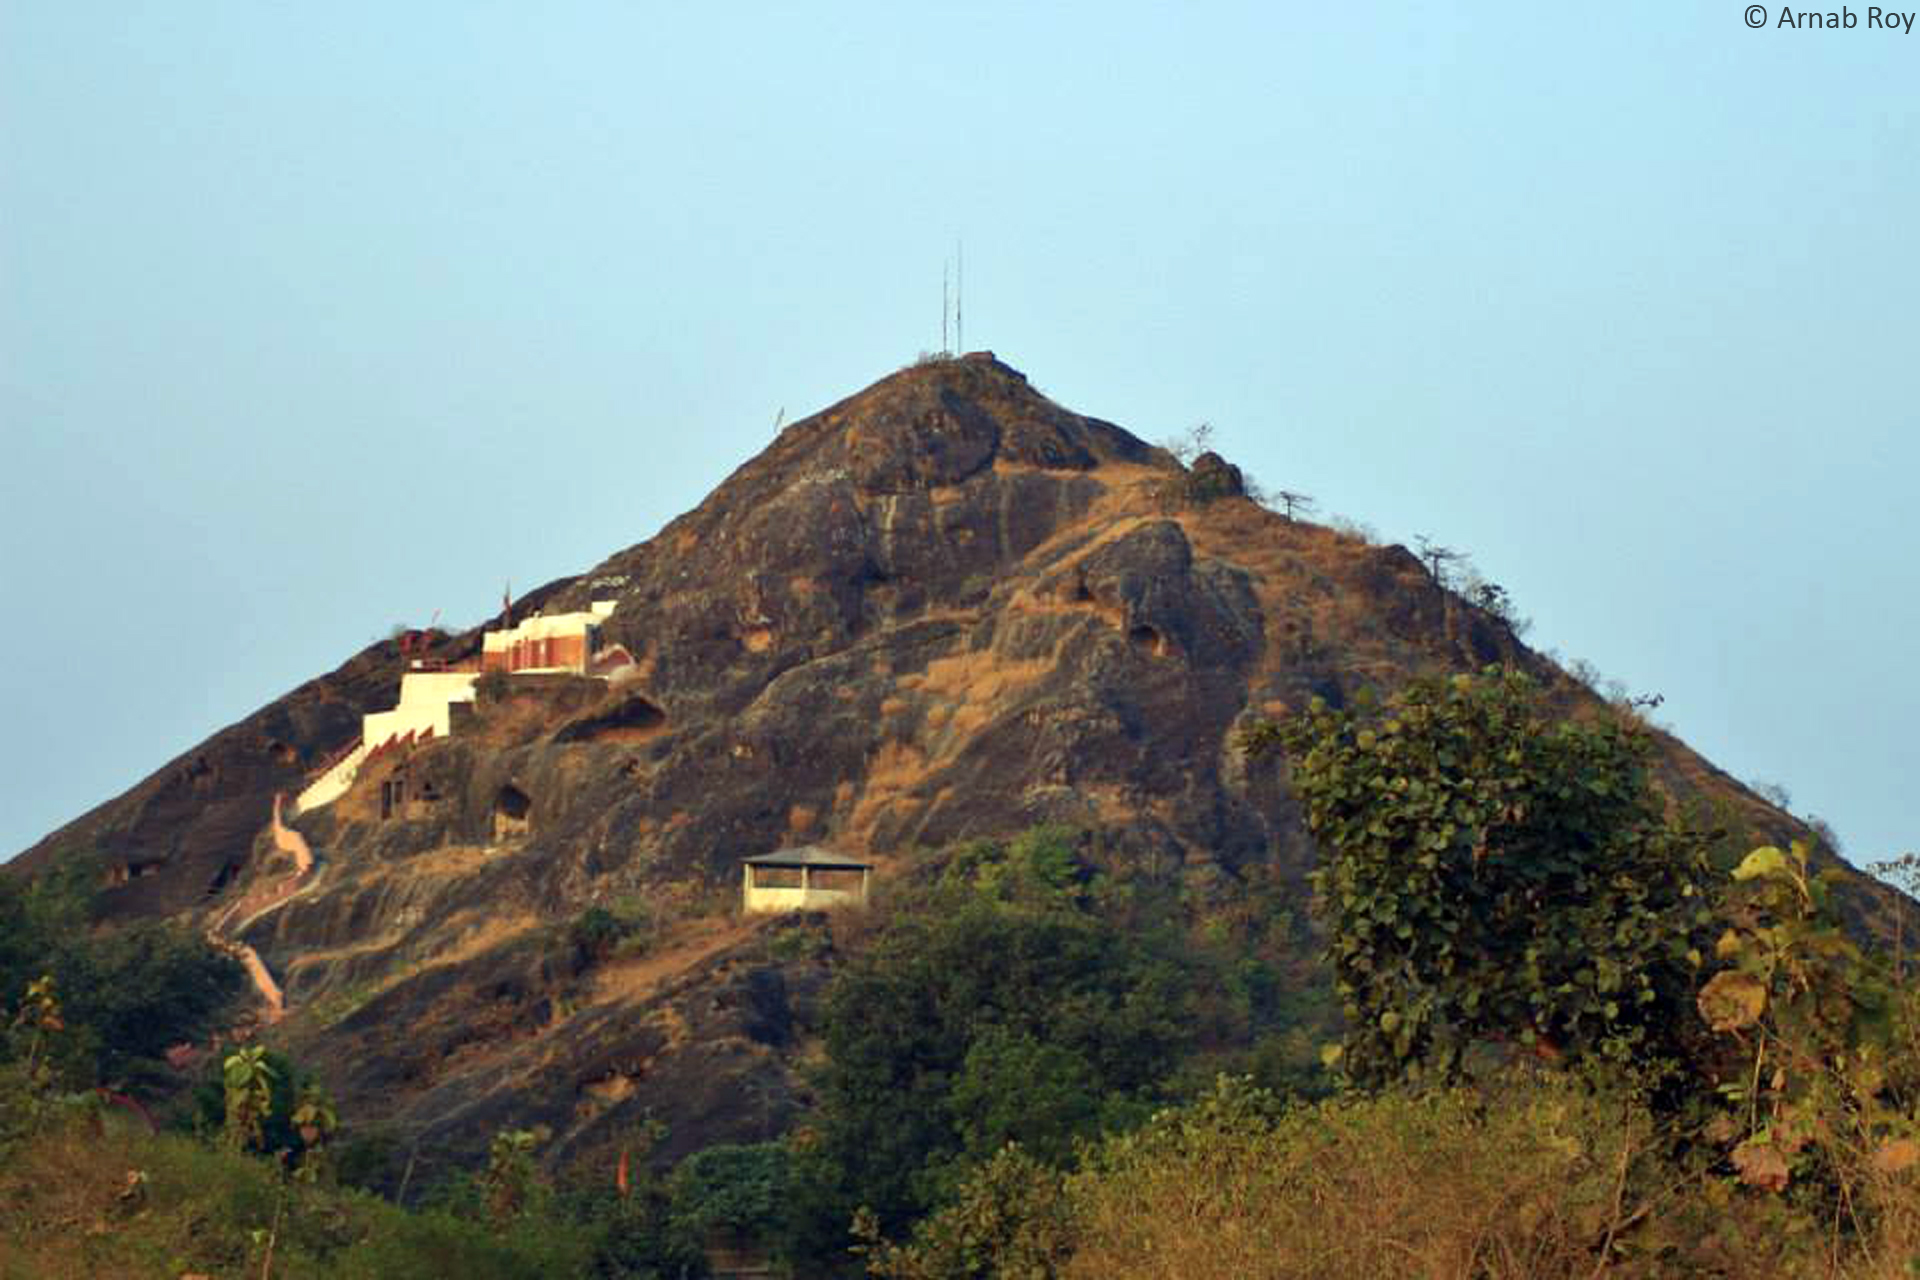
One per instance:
(553, 642)
(561, 642)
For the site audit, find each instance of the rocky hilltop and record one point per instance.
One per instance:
(945, 607)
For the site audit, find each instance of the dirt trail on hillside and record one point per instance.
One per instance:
(642, 976)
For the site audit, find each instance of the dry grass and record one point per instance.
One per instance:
(633, 979)
(459, 938)
(897, 769)
(1442, 1188)
(79, 1205)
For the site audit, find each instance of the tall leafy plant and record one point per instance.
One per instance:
(1493, 873)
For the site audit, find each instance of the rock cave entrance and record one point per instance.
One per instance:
(634, 719)
(636, 715)
(512, 813)
(1147, 639)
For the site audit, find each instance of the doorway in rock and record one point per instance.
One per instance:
(512, 814)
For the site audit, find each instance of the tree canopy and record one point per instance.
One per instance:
(1491, 872)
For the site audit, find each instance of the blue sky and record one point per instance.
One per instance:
(316, 319)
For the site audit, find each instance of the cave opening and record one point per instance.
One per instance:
(634, 719)
(512, 813)
(1148, 639)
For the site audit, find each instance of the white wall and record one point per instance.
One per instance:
(762, 898)
(332, 784)
(444, 687)
(426, 704)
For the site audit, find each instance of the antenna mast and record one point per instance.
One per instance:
(946, 269)
(960, 296)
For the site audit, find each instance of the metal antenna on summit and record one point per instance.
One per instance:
(945, 268)
(960, 296)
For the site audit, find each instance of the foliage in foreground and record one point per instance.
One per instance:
(127, 995)
(1439, 1185)
(1495, 879)
(1492, 874)
(1238, 1184)
(1002, 1005)
(1530, 1176)
(141, 1206)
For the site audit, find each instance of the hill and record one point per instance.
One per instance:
(943, 608)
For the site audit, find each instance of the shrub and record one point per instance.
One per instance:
(599, 933)
(736, 1191)
(594, 932)
(1009, 1217)
(168, 1206)
(1435, 1185)
(1490, 874)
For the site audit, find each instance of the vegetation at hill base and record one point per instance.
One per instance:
(127, 994)
(1562, 1027)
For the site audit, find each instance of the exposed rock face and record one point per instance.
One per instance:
(179, 838)
(942, 608)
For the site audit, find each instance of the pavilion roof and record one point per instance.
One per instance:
(810, 855)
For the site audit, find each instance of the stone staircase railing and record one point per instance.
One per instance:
(262, 899)
(333, 783)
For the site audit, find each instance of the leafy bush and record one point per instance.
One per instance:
(1492, 874)
(1819, 1072)
(594, 933)
(1437, 1185)
(734, 1190)
(600, 933)
(1009, 1217)
(259, 1101)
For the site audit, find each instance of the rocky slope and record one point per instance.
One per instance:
(944, 607)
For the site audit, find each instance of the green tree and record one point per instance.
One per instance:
(998, 1005)
(248, 1079)
(508, 1181)
(316, 1121)
(1491, 873)
(145, 988)
(1009, 1217)
(127, 993)
(1012, 1084)
(733, 1190)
